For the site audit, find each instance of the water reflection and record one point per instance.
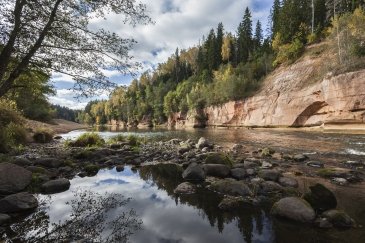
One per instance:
(89, 217)
(167, 217)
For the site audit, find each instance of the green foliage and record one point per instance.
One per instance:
(133, 140)
(118, 138)
(43, 135)
(219, 158)
(288, 53)
(12, 132)
(347, 40)
(87, 140)
(91, 169)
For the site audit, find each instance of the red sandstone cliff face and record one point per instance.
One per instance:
(298, 95)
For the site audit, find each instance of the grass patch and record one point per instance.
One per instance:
(132, 140)
(43, 135)
(87, 140)
(326, 173)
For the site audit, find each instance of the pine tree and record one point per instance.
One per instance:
(211, 51)
(258, 35)
(244, 44)
(220, 35)
(275, 17)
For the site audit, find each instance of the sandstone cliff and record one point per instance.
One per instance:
(306, 93)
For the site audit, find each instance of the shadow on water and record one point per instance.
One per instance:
(114, 205)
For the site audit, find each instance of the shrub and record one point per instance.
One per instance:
(11, 136)
(87, 140)
(133, 140)
(118, 138)
(288, 53)
(43, 135)
(12, 132)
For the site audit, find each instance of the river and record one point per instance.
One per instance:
(167, 217)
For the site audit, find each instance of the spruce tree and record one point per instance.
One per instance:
(220, 35)
(275, 17)
(245, 37)
(258, 35)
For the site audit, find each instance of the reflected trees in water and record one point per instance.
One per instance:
(94, 217)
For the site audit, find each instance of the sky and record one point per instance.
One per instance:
(177, 24)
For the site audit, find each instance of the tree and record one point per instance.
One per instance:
(245, 37)
(258, 35)
(220, 36)
(275, 17)
(228, 48)
(54, 35)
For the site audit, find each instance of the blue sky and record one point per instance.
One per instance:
(178, 23)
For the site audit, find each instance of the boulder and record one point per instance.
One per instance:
(288, 182)
(320, 198)
(231, 187)
(218, 158)
(340, 181)
(49, 162)
(266, 165)
(315, 164)
(269, 175)
(185, 188)
(238, 173)
(251, 172)
(4, 218)
(294, 208)
(300, 157)
(22, 162)
(231, 203)
(56, 186)
(194, 172)
(19, 202)
(268, 187)
(13, 178)
(202, 143)
(338, 218)
(119, 168)
(216, 170)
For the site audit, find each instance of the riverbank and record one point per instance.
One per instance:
(57, 126)
(245, 175)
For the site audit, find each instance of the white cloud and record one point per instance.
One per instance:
(67, 98)
(178, 23)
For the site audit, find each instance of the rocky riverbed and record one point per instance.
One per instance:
(298, 187)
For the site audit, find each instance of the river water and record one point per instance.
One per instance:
(167, 217)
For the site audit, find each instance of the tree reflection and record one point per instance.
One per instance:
(94, 218)
(250, 220)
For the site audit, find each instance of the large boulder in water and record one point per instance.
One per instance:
(216, 170)
(185, 188)
(13, 178)
(194, 172)
(320, 198)
(231, 187)
(56, 186)
(18, 203)
(294, 208)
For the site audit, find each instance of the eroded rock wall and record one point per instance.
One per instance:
(288, 98)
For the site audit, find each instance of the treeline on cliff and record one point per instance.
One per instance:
(230, 66)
